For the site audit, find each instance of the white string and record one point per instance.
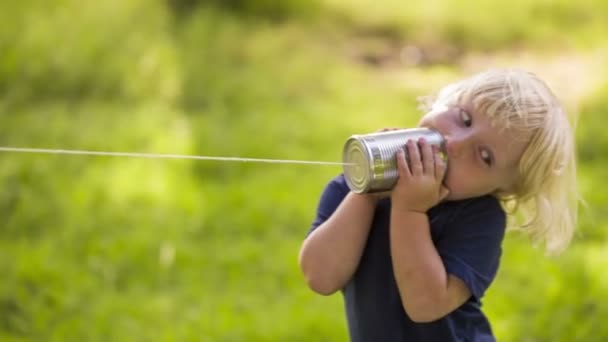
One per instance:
(164, 156)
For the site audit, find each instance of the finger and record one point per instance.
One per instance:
(428, 160)
(440, 164)
(414, 158)
(402, 166)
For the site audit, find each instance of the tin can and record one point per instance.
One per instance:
(370, 163)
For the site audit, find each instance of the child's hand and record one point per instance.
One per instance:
(419, 186)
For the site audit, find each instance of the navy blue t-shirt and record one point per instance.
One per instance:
(467, 234)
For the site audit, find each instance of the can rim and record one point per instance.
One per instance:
(354, 144)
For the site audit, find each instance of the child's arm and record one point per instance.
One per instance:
(330, 254)
(427, 291)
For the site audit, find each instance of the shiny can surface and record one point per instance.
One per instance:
(370, 163)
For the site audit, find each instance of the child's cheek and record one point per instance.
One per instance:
(450, 181)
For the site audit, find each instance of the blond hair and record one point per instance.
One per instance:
(543, 201)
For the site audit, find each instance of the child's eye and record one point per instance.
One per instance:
(486, 157)
(466, 118)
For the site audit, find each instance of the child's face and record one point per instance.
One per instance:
(482, 159)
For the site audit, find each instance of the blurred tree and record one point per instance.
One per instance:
(272, 9)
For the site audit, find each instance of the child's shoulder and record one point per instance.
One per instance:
(338, 183)
(476, 208)
(481, 203)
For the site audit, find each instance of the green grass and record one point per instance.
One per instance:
(110, 248)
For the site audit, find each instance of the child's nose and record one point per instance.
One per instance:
(456, 146)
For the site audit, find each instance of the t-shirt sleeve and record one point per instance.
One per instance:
(332, 196)
(471, 244)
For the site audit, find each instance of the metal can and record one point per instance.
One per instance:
(370, 163)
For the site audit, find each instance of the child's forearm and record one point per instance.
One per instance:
(427, 291)
(330, 254)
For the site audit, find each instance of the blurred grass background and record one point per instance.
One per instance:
(121, 249)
